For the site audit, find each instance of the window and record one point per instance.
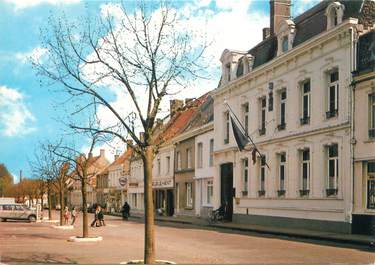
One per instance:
(334, 13)
(227, 68)
(305, 173)
(168, 163)
(333, 167)
(159, 166)
(333, 95)
(210, 191)
(189, 194)
(285, 44)
(226, 132)
(282, 160)
(200, 155)
(178, 154)
(188, 158)
(371, 131)
(282, 123)
(263, 104)
(306, 102)
(245, 112)
(262, 190)
(245, 176)
(211, 152)
(371, 185)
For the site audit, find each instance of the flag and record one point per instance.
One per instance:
(241, 139)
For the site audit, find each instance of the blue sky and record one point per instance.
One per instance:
(28, 108)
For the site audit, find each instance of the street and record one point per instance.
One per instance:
(123, 241)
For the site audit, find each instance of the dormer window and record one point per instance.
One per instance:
(233, 64)
(285, 36)
(334, 14)
(240, 68)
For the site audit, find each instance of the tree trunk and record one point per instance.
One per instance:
(85, 227)
(62, 204)
(49, 202)
(149, 254)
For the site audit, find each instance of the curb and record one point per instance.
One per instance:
(84, 239)
(63, 227)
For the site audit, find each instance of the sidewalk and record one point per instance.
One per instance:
(355, 239)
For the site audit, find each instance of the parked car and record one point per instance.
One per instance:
(16, 211)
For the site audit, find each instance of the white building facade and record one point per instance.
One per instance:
(292, 95)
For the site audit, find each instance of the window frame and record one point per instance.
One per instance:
(178, 158)
(282, 105)
(226, 127)
(189, 194)
(245, 113)
(200, 155)
(305, 119)
(188, 158)
(209, 192)
(332, 190)
(245, 176)
(262, 115)
(262, 177)
(335, 85)
(304, 191)
(284, 40)
(281, 177)
(371, 115)
(211, 154)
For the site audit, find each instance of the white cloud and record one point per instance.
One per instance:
(15, 117)
(35, 55)
(22, 4)
(301, 6)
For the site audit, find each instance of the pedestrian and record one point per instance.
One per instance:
(95, 222)
(74, 215)
(101, 217)
(125, 211)
(66, 215)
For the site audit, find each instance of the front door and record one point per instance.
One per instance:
(226, 172)
(170, 200)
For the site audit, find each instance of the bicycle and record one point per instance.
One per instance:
(214, 216)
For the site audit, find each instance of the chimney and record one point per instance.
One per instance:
(20, 175)
(102, 152)
(90, 155)
(175, 105)
(142, 136)
(279, 11)
(129, 144)
(188, 100)
(266, 33)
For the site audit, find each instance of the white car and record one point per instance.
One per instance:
(16, 211)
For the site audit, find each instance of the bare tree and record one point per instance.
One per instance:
(81, 171)
(144, 55)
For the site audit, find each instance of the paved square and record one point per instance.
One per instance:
(123, 241)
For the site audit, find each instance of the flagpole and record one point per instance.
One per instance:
(246, 134)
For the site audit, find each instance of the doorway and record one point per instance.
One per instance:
(170, 201)
(226, 174)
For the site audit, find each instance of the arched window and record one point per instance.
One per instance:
(285, 44)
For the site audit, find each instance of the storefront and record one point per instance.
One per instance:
(163, 196)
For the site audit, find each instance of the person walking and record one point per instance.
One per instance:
(66, 215)
(74, 215)
(125, 211)
(101, 217)
(95, 222)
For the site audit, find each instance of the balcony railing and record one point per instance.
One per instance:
(304, 193)
(331, 113)
(262, 131)
(281, 126)
(261, 193)
(281, 193)
(331, 192)
(371, 133)
(305, 120)
(226, 141)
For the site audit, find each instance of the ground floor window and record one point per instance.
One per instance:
(210, 191)
(189, 194)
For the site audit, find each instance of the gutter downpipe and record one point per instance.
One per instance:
(353, 45)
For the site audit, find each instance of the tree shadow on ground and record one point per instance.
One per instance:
(43, 258)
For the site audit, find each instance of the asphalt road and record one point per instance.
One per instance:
(123, 241)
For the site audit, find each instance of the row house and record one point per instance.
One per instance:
(112, 183)
(363, 131)
(95, 166)
(292, 93)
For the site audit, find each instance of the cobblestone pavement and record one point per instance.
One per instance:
(123, 241)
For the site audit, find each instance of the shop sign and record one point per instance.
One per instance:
(162, 183)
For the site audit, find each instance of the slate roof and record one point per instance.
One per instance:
(309, 24)
(204, 113)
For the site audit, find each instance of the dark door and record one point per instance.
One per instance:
(227, 189)
(170, 200)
